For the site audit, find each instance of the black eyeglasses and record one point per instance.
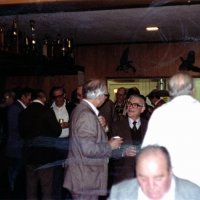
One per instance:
(58, 96)
(134, 105)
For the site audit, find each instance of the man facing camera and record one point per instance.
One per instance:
(155, 179)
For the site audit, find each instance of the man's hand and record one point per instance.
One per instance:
(115, 143)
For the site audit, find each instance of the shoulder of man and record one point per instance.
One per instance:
(125, 190)
(185, 189)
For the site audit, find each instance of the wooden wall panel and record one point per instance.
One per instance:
(101, 61)
(150, 60)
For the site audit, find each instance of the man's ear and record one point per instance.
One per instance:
(143, 109)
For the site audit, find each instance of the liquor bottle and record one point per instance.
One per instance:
(58, 47)
(64, 48)
(2, 37)
(52, 49)
(26, 45)
(70, 52)
(45, 48)
(15, 37)
(33, 49)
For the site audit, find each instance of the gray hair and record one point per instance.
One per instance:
(151, 150)
(180, 84)
(141, 97)
(94, 88)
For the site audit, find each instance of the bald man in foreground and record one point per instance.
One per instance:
(155, 179)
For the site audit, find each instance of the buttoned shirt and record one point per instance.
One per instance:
(62, 113)
(138, 122)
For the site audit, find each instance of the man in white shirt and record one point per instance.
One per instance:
(175, 125)
(155, 180)
(59, 107)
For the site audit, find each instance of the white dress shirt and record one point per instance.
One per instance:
(62, 113)
(138, 122)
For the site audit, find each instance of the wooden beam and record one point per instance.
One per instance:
(15, 7)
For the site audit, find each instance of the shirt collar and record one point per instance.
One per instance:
(92, 106)
(56, 107)
(23, 105)
(130, 121)
(38, 101)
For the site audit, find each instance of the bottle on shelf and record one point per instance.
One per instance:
(33, 49)
(58, 47)
(70, 51)
(14, 46)
(2, 37)
(45, 47)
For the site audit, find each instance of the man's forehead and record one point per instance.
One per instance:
(58, 92)
(134, 99)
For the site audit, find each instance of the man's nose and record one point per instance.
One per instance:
(152, 184)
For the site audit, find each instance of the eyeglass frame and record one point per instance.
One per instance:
(134, 105)
(59, 96)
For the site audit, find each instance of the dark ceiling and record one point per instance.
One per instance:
(108, 22)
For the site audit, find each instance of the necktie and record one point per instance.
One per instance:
(134, 129)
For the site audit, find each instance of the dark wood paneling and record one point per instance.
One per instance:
(150, 60)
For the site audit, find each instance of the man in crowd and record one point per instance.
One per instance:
(60, 108)
(132, 129)
(15, 142)
(155, 98)
(120, 102)
(39, 128)
(155, 179)
(89, 150)
(175, 125)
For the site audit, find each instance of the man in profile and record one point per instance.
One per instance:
(155, 179)
(89, 149)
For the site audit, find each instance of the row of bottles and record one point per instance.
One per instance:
(61, 47)
(14, 41)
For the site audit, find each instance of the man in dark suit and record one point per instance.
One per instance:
(39, 128)
(89, 149)
(132, 129)
(15, 142)
(155, 98)
(155, 179)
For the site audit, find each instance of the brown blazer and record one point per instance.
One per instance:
(89, 150)
(124, 167)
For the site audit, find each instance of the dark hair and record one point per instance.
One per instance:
(132, 91)
(23, 92)
(54, 88)
(38, 93)
(153, 94)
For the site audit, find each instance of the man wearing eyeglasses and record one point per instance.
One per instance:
(60, 108)
(132, 129)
